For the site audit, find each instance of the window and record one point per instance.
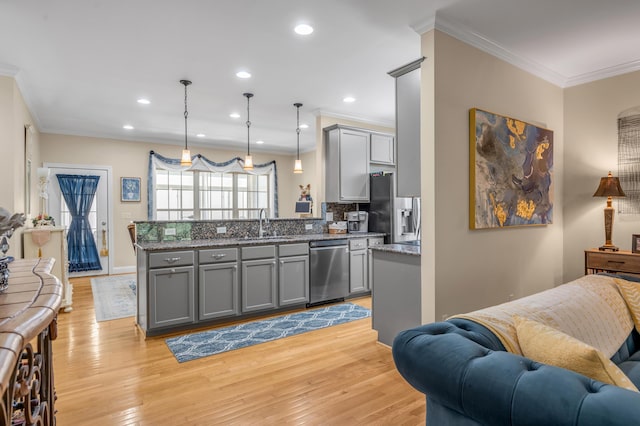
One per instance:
(204, 195)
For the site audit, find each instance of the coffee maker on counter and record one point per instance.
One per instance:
(357, 221)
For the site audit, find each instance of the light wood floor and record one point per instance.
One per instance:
(107, 374)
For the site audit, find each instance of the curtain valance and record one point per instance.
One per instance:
(203, 164)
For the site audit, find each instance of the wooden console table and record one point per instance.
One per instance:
(28, 325)
(611, 261)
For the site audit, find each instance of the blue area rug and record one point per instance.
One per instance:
(199, 345)
(114, 296)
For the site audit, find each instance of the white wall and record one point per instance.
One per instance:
(591, 150)
(470, 269)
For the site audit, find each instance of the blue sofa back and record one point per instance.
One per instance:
(470, 380)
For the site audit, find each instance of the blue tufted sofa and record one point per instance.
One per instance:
(469, 380)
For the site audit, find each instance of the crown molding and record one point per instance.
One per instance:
(8, 70)
(487, 45)
(603, 73)
(324, 113)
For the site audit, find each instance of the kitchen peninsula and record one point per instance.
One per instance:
(396, 299)
(189, 277)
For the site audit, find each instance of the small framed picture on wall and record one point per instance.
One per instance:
(130, 189)
(635, 243)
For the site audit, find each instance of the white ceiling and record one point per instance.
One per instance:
(82, 64)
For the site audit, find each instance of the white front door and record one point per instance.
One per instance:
(99, 217)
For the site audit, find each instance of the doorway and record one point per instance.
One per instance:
(99, 216)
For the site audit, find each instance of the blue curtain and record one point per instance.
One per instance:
(78, 192)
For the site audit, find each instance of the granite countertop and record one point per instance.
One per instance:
(399, 248)
(222, 242)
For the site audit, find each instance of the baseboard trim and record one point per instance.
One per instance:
(123, 270)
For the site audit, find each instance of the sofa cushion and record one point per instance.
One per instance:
(631, 294)
(545, 344)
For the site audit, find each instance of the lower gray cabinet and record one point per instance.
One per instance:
(259, 285)
(293, 280)
(171, 296)
(358, 266)
(218, 290)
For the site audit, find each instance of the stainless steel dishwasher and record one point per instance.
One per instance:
(329, 270)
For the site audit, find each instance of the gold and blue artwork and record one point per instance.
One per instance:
(511, 172)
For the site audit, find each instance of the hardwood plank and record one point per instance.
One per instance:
(108, 374)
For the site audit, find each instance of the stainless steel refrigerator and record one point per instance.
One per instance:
(399, 218)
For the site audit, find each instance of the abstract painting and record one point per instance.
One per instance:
(511, 172)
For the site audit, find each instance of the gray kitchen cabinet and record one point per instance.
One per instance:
(293, 274)
(372, 242)
(347, 164)
(171, 296)
(408, 163)
(259, 282)
(358, 266)
(382, 149)
(218, 283)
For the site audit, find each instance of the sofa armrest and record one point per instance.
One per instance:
(500, 388)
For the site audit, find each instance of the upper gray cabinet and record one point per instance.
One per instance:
(347, 164)
(408, 163)
(382, 149)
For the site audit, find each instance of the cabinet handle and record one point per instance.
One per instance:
(282, 262)
(218, 256)
(172, 259)
(235, 267)
(618, 262)
(172, 270)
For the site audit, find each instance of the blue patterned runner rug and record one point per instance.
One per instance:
(211, 342)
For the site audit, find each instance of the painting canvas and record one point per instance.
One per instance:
(511, 172)
(130, 189)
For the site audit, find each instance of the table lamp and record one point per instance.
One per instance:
(609, 187)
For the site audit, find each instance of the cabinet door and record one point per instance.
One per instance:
(354, 165)
(358, 271)
(293, 280)
(259, 285)
(218, 290)
(408, 134)
(382, 149)
(171, 296)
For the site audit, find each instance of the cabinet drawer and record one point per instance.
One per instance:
(170, 258)
(607, 261)
(293, 249)
(376, 241)
(259, 252)
(358, 244)
(217, 255)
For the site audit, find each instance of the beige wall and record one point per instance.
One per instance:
(469, 269)
(14, 116)
(591, 150)
(131, 159)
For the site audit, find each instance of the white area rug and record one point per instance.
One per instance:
(114, 297)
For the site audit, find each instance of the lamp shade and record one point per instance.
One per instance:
(609, 187)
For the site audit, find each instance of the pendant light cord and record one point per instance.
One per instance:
(186, 112)
(298, 127)
(248, 95)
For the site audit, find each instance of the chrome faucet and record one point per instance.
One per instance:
(266, 222)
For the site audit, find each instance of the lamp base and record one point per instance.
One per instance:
(609, 247)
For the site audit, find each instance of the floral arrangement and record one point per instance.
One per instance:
(43, 220)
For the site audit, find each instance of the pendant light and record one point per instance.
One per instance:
(185, 160)
(248, 161)
(297, 167)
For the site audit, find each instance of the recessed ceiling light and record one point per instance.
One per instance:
(303, 29)
(349, 99)
(304, 126)
(201, 135)
(144, 101)
(259, 142)
(127, 127)
(234, 115)
(243, 74)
